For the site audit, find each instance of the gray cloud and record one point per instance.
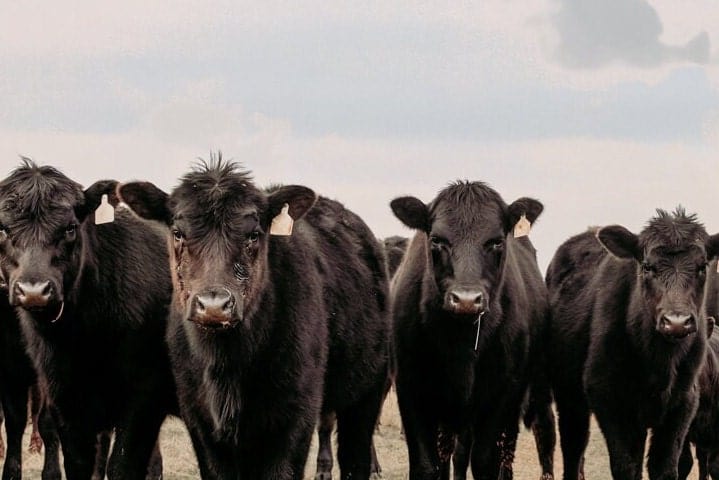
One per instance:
(594, 33)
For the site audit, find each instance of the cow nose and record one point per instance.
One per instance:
(32, 294)
(465, 301)
(213, 307)
(676, 325)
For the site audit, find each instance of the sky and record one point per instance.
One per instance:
(604, 110)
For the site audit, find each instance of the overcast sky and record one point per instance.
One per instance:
(602, 109)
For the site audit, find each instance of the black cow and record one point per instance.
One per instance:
(264, 327)
(92, 301)
(704, 430)
(394, 248)
(469, 307)
(628, 341)
(17, 379)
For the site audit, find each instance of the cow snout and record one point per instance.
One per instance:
(677, 325)
(214, 308)
(32, 295)
(464, 302)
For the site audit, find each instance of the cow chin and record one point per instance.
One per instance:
(50, 313)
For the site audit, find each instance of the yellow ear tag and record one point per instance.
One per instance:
(282, 223)
(104, 213)
(521, 229)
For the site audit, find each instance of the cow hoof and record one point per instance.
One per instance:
(375, 476)
(35, 443)
(547, 476)
(323, 476)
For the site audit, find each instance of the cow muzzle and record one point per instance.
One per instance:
(214, 308)
(37, 297)
(462, 301)
(675, 326)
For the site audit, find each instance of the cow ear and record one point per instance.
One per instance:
(298, 198)
(146, 200)
(713, 246)
(412, 212)
(620, 242)
(526, 206)
(93, 195)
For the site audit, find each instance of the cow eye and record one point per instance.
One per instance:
(70, 230)
(702, 269)
(253, 236)
(437, 241)
(494, 245)
(647, 268)
(177, 235)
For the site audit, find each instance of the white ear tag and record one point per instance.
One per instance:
(521, 229)
(104, 213)
(282, 223)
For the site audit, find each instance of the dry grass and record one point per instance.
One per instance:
(179, 460)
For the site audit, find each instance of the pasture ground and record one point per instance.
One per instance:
(180, 464)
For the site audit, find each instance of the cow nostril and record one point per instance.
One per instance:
(200, 306)
(478, 299)
(17, 289)
(689, 321)
(454, 298)
(47, 289)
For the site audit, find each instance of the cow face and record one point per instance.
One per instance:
(671, 255)
(467, 227)
(41, 214)
(219, 237)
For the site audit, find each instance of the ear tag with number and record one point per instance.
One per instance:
(104, 213)
(521, 229)
(282, 223)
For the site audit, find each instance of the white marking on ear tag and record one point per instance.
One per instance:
(282, 223)
(521, 229)
(104, 213)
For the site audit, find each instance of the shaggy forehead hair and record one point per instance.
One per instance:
(675, 230)
(33, 192)
(464, 202)
(214, 190)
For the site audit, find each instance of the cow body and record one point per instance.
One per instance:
(464, 267)
(92, 301)
(17, 378)
(626, 341)
(267, 332)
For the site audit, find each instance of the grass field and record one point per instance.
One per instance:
(179, 460)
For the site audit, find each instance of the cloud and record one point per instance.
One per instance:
(596, 33)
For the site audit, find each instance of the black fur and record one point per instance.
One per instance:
(609, 353)
(444, 385)
(98, 344)
(304, 329)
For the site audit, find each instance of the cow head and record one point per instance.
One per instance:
(671, 253)
(41, 217)
(219, 236)
(467, 229)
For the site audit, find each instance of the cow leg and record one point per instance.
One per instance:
(14, 402)
(202, 452)
(461, 456)
(2, 442)
(486, 454)
(712, 465)
(324, 453)
(666, 443)
(686, 461)
(543, 429)
(154, 469)
(573, 435)
(375, 469)
(625, 443)
(134, 442)
(102, 450)
(51, 463)
(35, 406)
(355, 427)
(78, 447)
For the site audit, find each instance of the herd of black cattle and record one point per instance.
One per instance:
(198, 303)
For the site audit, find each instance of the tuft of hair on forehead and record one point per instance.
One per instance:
(216, 185)
(31, 188)
(676, 229)
(463, 196)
